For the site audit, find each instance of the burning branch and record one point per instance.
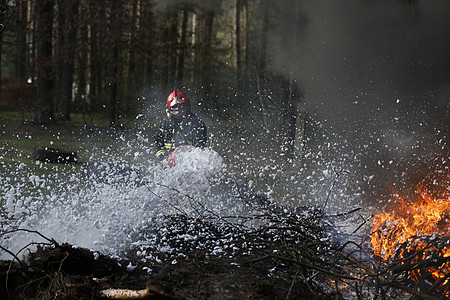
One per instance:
(413, 240)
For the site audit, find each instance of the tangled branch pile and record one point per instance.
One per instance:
(291, 254)
(419, 266)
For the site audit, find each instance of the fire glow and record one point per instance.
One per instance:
(415, 236)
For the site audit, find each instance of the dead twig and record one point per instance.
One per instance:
(411, 290)
(338, 174)
(292, 285)
(52, 241)
(304, 264)
(57, 273)
(13, 255)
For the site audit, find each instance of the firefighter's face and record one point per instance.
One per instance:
(179, 110)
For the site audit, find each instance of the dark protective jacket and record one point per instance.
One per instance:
(173, 132)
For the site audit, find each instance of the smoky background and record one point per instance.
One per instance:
(377, 76)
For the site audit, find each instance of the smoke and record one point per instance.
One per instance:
(377, 74)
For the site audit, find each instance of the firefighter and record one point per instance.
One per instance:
(181, 127)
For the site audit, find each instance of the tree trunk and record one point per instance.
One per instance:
(59, 55)
(263, 45)
(68, 10)
(21, 57)
(131, 82)
(236, 41)
(170, 39)
(209, 22)
(413, 7)
(44, 17)
(181, 47)
(193, 45)
(146, 31)
(95, 37)
(84, 47)
(2, 24)
(202, 59)
(114, 102)
(22, 60)
(290, 93)
(245, 46)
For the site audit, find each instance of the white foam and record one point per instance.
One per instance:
(103, 215)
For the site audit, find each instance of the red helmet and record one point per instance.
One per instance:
(176, 97)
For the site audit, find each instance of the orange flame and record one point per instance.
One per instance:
(412, 227)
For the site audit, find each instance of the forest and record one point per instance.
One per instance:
(105, 56)
(268, 62)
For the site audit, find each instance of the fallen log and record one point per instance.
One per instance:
(55, 155)
(125, 294)
(153, 290)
